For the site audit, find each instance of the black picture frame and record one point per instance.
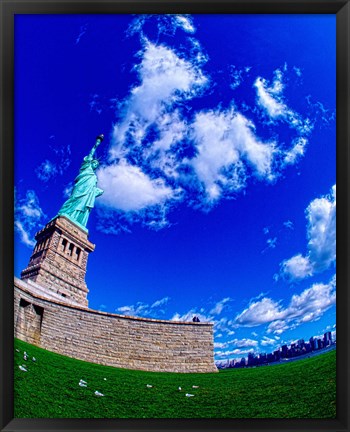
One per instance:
(8, 9)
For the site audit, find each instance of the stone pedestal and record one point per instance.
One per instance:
(59, 259)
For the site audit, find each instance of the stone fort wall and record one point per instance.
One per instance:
(45, 320)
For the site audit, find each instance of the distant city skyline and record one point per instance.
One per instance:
(218, 164)
(295, 350)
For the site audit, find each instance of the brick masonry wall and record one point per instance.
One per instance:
(110, 339)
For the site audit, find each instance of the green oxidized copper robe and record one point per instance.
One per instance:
(82, 199)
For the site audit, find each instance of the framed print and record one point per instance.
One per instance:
(172, 252)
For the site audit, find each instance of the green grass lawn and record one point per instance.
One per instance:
(50, 389)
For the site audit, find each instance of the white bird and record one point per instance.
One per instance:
(82, 381)
(17, 350)
(195, 386)
(105, 379)
(34, 359)
(180, 388)
(23, 368)
(149, 386)
(82, 384)
(97, 393)
(25, 357)
(189, 395)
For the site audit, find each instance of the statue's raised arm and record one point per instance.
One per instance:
(90, 156)
(82, 199)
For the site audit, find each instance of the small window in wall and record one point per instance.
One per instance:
(71, 247)
(23, 303)
(77, 253)
(63, 245)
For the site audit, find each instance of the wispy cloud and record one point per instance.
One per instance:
(166, 24)
(238, 76)
(47, 170)
(218, 308)
(288, 224)
(28, 216)
(271, 100)
(235, 352)
(141, 309)
(296, 151)
(266, 341)
(95, 104)
(270, 244)
(82, 31)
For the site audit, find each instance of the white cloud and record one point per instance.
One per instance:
(310, 305)
(28, 216)
(223, 325)
(278, 327)
(165, 78)
(169, 152)
(224, 139)
(243, 343)
(260, 312)
(235, 352)
(312, 302)
(297, 267)
(268, 341)
(321, 215)
(321, 234)
(25, 236)
(220, 345)
(127, 188)
(272, 102)
(188, 316)
(270, 99)
(172, 129)
(185, 22)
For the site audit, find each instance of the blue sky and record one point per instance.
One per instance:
(218, 164)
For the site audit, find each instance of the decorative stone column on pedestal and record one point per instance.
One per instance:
(59, 259)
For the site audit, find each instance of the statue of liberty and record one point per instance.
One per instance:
(82, 199)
